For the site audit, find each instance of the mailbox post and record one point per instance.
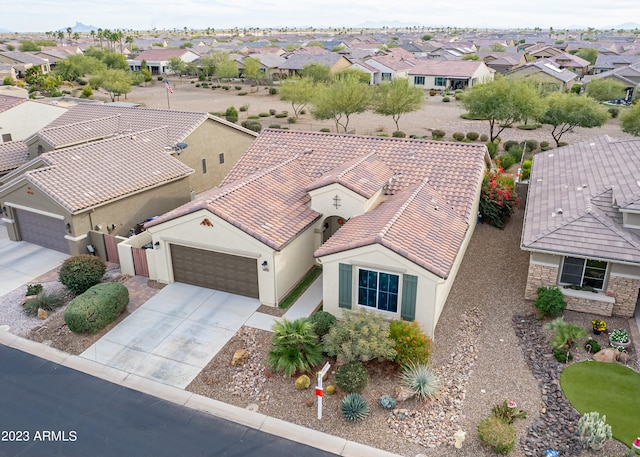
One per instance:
(319, 389)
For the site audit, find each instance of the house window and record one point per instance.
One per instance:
(378, 290)
(386, 76)
(204, 166)
(6, 137)
(583, 272)
(221, 158)
(439, 81)
(418, 80)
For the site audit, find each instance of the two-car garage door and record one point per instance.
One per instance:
(215, 270)
(42, 230)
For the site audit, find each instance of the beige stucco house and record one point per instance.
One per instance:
(20, 117)
(450, 74)
(582, 225)
(388, 221)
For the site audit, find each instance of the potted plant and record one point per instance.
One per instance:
(599, 326)
(619, 338)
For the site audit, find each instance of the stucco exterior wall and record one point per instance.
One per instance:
(294, 261)
(27, 118)
(351, 204)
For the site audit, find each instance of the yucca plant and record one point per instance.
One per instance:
(294, 347)
(45, 300)
(420, 379)
(353, 407)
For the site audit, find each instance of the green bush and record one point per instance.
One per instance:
(352, 377)
(506, 161)
(325, 130)
(592, 346)
(244, 108)
(484, 137)
(226, 87)
(254, 117)
(516, 153)
(458, 136)
(544, 144)
(614, 112)
(238, 87)
(34, 289)
(86, 92)
(274, 126)
(273, 91)
(492, 148)
(446, 99)
(204, 85)
(322, 322)
(252, 125)
(291, 120)
(411, 344)
(473, 136)
(294, 347)
(420, 379)
(437, 134)
(529, 126)
(360, 336)
(506, 414)
(48, 301)
(242, 93)
(263, 114)
(303, 111)
(231, 114)
(526, 169)
(96, 308)
(459, 95)
(531, 145)
(576, 88)
(509, 144)
(562, 355)
(272, 112)
(353, 407)
(550, 301)
(80, 272)
(398, 134)
(498, 198)
(281, 115)
(498, 434)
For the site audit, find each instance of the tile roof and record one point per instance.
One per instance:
(265, 194)
(84, 176)
(159, 55)
(417, 224)
(81, 132)
(453, 68)
(394, 63)
(7, 102)
(570, 206)
(24, 57)
(298, 61)
(13, 154)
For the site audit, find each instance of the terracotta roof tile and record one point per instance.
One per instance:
(459, 68)
(7, 102)
(13, 154)
(81, 132)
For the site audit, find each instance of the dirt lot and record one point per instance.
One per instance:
(435, 114)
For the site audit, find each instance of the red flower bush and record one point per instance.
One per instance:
(498, 198)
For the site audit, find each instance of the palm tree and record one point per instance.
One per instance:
(294, 347)
(93, 35)
(76, 36)
(60, 36)
(100, 36)
(69, 30)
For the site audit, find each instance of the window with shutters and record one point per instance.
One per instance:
(379, 290)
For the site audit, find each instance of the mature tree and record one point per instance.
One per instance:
(397, 97)
(69, 30)
(28, 46)
(631, 121)
(77, 66)
(566, 111)
(207, 66)
(76, 36)
(340, 99)
(471, 57)
(503, 102)
(191, 68)
(252, 69)
(362, 75)
(426, 37)
(115, 60)
(298, 91)
(45, 84)
(227, 69)
(497, 47)
(589, 54)
(603, 89)
(318, 72)
(60, 36)
(177, 66)
(115, 82)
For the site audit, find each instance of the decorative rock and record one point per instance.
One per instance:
(303, 382)
(27, 299)
(608, 355)
(239, 357)
(253, 407)
(623, 357)
(404, 393)
(459, 437)
(42, 314)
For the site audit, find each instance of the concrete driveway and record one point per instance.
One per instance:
(175, 334)
(20, 262)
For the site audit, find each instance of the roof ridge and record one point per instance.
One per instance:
(73, 124)
(598, 214)
(380, 236)
(357, 163)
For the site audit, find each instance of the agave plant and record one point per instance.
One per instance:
(420, 379)
(294, 347)
(353, 407)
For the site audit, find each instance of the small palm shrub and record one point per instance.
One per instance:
(566, 333)
(360, 336)
(322, 322)
(498, 434)
(550, 301)
(354, 408)
(352, 377)
(294, 347)
(411, 344)
(80, 272)
(420, 379)
(96, 308)
(48, 301)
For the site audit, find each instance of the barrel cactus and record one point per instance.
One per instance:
(303, 382)
(353, 407)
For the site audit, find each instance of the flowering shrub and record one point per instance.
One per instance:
(599, 325)
(412, 345)
(498, 198)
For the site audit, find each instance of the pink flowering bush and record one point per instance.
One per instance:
(498, 198)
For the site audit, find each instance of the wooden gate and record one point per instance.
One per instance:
(111, 246)
(140, 265)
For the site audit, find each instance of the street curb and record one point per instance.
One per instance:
(258, 421)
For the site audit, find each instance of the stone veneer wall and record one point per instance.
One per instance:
(625, 291)
(584, 305)
(539, 276)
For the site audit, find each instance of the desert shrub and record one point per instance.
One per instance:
(48, 301)
(458, 136)
(420, 379)
(252, 125)
(550, 301)
(562, 355)
(398, 134)
(86, 92)
(34, 289)
(231, 114)
(272, 112)
(484, 137)
(322, 322)
(226, 87)
(303, 111)
(544, 144)
(473, 136)
(326, 130)
(506, 161)
(437, 134)
(253, 117)
(529, 126)
(273, 91)
(562, 143)
(242, 93)
(459, 95)
(510, 144)
(411, 344)
(516, 153)
(492, 148)
(446, 99)
(291, 120)
(594, 430)
(244, 108)
(280, 115)
(352, 377)
(531, 145)
(294, 347)
(80, 272)
(353, 407)
(506, 414)
(592, 346)
(274, 126)
(498, 434)
(360, 336)
(238, 87)
(96, 308)
(614, 112)
(387, 402)
(205, 85)
(566, 333)
(263, 114)
(526, 169)
(498, 198)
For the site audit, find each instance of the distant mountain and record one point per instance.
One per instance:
(6, 31)
(390, 24)
(80, 27)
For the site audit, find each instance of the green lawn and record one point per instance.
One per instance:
(300, 288)
(610, 389)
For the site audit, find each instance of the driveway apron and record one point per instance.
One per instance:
(175, 334)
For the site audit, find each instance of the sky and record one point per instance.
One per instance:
(51, 15)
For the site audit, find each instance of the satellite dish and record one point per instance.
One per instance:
(182, 145)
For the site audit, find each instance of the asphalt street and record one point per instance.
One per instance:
(48, 410)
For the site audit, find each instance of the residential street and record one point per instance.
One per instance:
(54, 410)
